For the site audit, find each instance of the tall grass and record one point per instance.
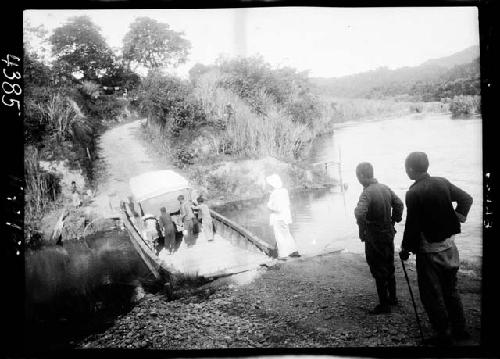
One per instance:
(63, 119)
(42, 187)
(66, 131)
(245, 132)
(339, 110)
(343, 110)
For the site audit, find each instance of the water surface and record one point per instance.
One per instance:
(324, 220)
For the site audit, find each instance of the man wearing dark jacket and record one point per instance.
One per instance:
(431, 225)
(376, 212)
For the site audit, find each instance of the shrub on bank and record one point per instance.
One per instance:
(258, 84)
(342, 110)
(465, 105)
(168, 101)
(244, 132)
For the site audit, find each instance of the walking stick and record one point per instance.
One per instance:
(412, 300)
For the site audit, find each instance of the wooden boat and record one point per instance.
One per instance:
(233, 250)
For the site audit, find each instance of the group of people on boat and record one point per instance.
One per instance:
(171, 228)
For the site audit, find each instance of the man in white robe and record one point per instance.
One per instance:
(280, 218)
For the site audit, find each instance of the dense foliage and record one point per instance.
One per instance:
(258, 84)
(64, 115)
(80, 48)
(169, 102)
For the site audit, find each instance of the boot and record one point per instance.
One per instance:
(391, 286)
(383, 306)
(439, 340)
(381, 309)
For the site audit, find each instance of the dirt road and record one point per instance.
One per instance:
(123, 156)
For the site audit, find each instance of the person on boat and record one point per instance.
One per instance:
(150, 231)
(280, 218)
(431, 224)
(138, 222)
(196, 215)
(167, 228)
(377, 211)
(186, 215)
(206, 219)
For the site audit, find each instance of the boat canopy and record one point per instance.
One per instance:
(156, 183)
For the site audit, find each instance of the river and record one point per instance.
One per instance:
(324, 221)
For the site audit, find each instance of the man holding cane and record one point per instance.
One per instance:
(431, 225)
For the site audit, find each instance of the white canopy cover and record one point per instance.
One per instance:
(155, 183)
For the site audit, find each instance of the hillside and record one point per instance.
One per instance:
(457, 74)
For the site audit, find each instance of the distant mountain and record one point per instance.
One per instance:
(459, 58)
(406, 81)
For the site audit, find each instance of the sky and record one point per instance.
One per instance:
(327, 42)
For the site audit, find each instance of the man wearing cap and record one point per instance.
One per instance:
(431, 225)
(377, 211)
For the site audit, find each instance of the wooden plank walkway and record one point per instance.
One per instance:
(214, 258)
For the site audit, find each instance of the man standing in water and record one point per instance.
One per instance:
(377, 210)
(431, 225)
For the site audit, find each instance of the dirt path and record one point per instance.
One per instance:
(123, 156)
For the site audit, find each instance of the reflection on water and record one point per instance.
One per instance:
(324, 220)
(57, 277)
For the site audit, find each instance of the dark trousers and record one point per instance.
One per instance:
(380, 258)
(437, 284)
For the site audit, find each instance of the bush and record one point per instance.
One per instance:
(465, 105)
(168, 101)
(184, 157)
(342, 110)
(259, 85)
(242, 131)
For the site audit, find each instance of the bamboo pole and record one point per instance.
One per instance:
(340, 178)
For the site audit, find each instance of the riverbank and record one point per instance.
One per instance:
(320, 301)
(304, 303)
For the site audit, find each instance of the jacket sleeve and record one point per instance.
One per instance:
(411, 235)
(361, 209)
(360, 213)
(397, 207)
(463, 199)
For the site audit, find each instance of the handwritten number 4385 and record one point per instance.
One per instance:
(11, 88)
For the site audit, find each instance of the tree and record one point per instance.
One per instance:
(152, 44)
(35, 41)
(79, 47)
